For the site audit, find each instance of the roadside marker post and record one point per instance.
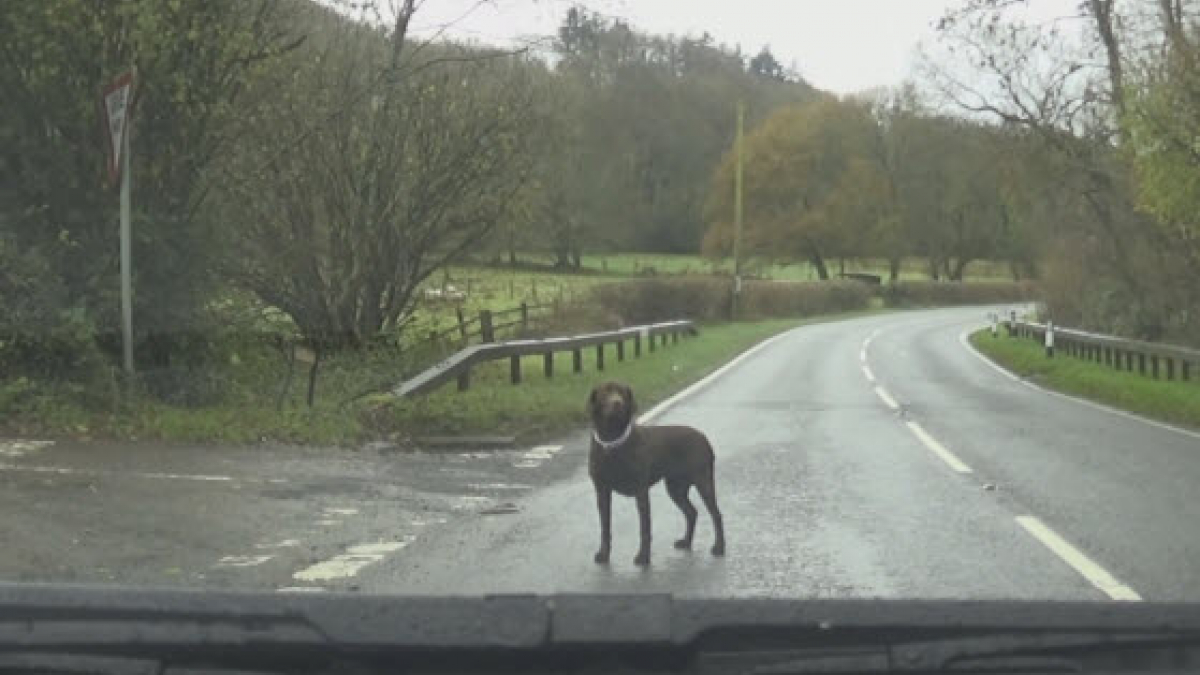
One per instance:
(1049, 339)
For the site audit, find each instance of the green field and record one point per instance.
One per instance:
(1174, 401)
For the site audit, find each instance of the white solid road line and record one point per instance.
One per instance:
(663, 406)
(962, 338)
(887, 398)
(938, 449)
(867, 371)
(1094, 573)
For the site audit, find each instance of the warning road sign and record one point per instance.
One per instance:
(117, 98)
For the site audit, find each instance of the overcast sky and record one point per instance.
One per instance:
(843, 46)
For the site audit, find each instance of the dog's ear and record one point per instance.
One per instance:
(629, 397)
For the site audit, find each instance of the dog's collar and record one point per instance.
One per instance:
(620, 440)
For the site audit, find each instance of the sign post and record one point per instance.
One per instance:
(118, 99)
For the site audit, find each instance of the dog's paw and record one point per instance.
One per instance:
(642, 559)
(683, 544)
(601, 557)
(718, 549)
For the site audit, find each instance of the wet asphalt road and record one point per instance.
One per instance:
(871, 457)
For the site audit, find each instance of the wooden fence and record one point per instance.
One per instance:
(487, 323)
(459, 366)
(1160, 361)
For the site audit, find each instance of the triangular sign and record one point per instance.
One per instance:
(116, 101)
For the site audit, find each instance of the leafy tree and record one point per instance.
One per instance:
(796, 163)
(194, 59)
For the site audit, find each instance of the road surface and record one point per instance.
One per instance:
(873, 457)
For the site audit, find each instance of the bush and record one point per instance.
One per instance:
(653, 300)
(768, 300)
(948, 293)
(708, 299)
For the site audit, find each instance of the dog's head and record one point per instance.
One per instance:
(611, 406)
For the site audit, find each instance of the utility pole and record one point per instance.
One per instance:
(737, 208)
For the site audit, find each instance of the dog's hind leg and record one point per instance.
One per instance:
(678, 489)
(708, 492)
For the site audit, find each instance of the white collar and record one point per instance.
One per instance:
(610, 445)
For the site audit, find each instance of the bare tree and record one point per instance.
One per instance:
(421, 147)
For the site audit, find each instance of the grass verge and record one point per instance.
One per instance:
(1169, 401)
(541, 407)
(536, 409)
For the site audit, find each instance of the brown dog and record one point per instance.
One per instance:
(629, 459)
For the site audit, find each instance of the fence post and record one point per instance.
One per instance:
(1141, 364)
(514, 369)
(1170, 367)
(485, 326)
(524, 317)
(637, 346)
(600, 356)
(674, 336)
(548, 364)
(577, 360)
(1185, 371)
(650, 340)
(462, 324)
(464, 380)
(1154, 365)
(621, 350)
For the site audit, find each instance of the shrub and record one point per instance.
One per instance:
(708, 299)
(662, 299)
(767, 299)
(947, 293)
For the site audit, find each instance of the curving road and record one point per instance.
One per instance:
(878, 456)
(872, 457)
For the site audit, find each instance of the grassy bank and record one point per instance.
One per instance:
(1175, 402)
(541, 407)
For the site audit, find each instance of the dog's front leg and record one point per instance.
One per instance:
(604, 506)
(643, 507)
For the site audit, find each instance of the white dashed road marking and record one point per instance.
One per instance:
(64, 471)
(286, 543)
(1094, 573)
(938, 449)
(243, 560)
(870, 375)
(498, 486)
(19, 447)
(534, 457)
(351, 562)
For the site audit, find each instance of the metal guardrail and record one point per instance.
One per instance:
(1153, 359)
(459, 365)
